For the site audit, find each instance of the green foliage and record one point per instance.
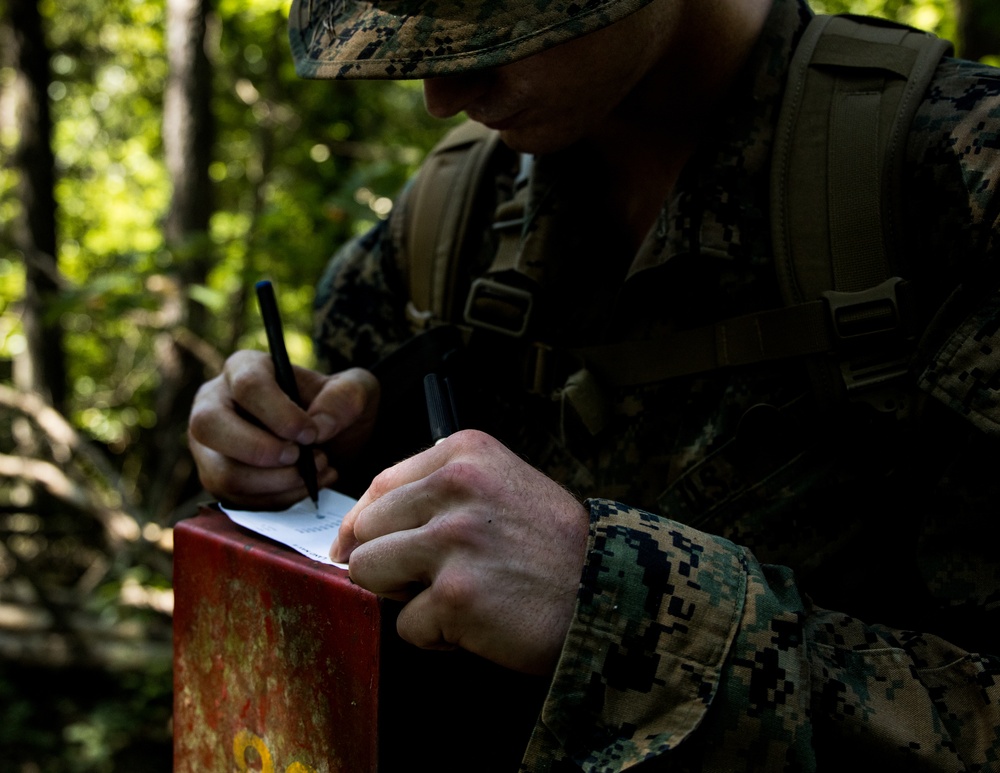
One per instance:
(302, 166)
(298, 168)
(110, 722)
(937, 16)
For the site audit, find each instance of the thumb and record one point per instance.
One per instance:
(343, 403)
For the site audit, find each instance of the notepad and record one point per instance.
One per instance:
(302, 526)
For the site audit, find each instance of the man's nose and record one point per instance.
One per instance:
(449, 95)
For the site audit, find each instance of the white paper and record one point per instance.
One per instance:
(302, 527)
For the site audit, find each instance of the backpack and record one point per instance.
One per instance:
(853, 88)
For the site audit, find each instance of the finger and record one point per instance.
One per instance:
(215, 423)
(249, 382)
(341, 404)
(454, 612)
(422, 465)
(396, 566)
(412, 510)
(421, 624)
(448, 612)
(254, 487)
(404, 508)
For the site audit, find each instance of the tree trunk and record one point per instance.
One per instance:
(188, 127)
(42, 369)
(979, 28)
(188, 138)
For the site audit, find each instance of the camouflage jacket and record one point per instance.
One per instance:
(729, 514)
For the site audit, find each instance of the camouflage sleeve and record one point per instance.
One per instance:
(359, 311)
(956, 212)
(964, 373)
(685, 654)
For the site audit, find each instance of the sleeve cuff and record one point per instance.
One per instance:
(658, 609)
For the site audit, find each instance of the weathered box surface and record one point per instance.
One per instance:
(282, 664)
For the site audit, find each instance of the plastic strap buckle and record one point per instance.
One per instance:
(498, 307)
(871, 333)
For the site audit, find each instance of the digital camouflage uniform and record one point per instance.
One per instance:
(729, 512)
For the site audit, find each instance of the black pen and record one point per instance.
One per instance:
(440, 407)
(285, 377)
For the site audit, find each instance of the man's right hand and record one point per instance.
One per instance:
(244, 432)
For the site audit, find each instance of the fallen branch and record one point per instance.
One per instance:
(54, 650)
(119, 525)
(64, 438)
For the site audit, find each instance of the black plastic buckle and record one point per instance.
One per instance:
(866, 313)
(498, 307)
(871, 332)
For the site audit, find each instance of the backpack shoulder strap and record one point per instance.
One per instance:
(854, 86)
(430, 229)
(853, 89)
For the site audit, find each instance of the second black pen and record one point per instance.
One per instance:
(440, 407)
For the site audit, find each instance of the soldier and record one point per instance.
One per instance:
(666, 542)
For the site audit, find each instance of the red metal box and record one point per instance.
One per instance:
(282, 665)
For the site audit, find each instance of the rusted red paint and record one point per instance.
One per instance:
(262, 636)
(282, 665)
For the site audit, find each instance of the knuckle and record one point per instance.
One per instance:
(203, 409)
(457, 531)
(261, 451)
(419, 636)
(457, 478)
(454, 593)
(196, 425)
(226, 480)
(355, 390)
(243, 358)
(243, 383)
(364, 379)
(194, 442)
(382, 483)
(475, 441)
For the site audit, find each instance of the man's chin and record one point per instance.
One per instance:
(534, 142)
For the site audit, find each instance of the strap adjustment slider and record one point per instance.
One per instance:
(498, 307)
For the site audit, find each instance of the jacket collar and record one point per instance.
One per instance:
(720, 206)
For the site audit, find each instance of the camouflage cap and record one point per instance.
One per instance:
(399, 39)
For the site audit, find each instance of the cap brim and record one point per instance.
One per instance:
(403, 39)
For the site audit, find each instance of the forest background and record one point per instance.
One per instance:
(157, 159)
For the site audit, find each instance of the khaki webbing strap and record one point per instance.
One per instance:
(509, 221)
(856, 221)
(854, 87)
(852, 92)
(436, 210)
(503, 299)
(791, 331)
